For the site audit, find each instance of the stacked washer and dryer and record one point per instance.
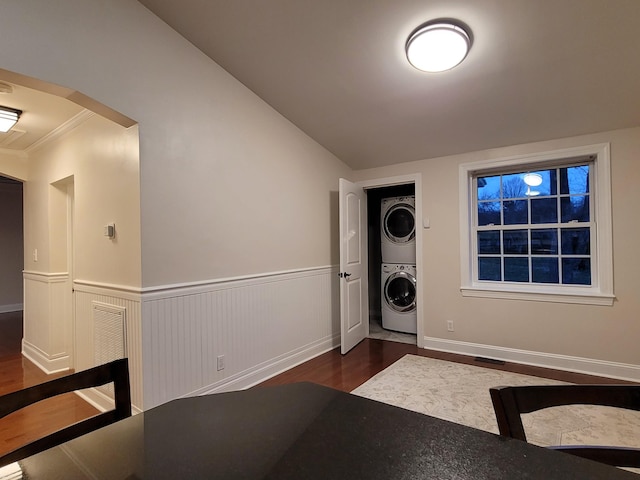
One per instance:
(398, 244)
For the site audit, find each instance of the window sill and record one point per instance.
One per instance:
(576, 296)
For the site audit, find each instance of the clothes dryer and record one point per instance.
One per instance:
(399, 291)
(398, 224)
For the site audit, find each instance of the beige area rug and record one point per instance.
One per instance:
(460, 393)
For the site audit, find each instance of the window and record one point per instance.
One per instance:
(538, 227)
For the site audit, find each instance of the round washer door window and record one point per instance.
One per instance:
(400, 292)
(400, 223)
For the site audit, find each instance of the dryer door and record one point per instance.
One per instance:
(400, 223)
(400, 292)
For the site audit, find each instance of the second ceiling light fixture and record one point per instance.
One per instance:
(438, 45)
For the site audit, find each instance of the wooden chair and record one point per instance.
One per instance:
(116, 372)
(510, 402)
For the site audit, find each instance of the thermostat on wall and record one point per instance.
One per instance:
(110, 230)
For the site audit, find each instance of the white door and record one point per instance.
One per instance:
(354, 294)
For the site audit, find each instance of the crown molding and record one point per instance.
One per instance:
(60, 131)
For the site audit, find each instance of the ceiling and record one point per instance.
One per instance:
(42, 114)
(537, 70)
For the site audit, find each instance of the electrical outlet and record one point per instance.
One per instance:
(450, 325)
(220, 362)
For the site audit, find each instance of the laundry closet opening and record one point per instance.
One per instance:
(392, 229)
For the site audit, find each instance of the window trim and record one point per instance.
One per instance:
(601, 292)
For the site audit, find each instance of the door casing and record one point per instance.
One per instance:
(416, 180)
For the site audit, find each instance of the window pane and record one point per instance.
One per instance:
(515, 212)
(544, 241)
(574, 180)
(576, 271)
(516, 269)
(489, 268)
(489, 188)
(545, 270)
(488, 213)
(516, 242)
(544, 210)
(489, 242)
(513, 186)
(575, 208)
(534, 224)
(576, 241)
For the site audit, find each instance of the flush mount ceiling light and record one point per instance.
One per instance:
(437, 46)
(533, 179)
(8, 118)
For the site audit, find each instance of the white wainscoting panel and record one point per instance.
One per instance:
(47, 320)
(109, 337)
(261, 325)
(110, 298)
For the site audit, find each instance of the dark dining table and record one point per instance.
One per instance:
(300, 431)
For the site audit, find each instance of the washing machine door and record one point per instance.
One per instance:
(400, 292)
(399, 223)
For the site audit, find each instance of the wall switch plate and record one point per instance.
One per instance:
(220, 362)
(110, 230)
(450, 325)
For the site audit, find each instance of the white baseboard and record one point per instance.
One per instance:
(101, 401)
(48, 364)
(14, 307)
(601, 368)
(262, 372)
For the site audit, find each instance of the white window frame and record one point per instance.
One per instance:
(601, 290)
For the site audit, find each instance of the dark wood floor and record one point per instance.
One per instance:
(16, 372)
(346, 372)
(343, 372)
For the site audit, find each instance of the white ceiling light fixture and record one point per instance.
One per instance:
(8, 118)
(532, 180)
(437, 46)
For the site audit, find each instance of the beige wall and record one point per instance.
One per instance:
(99, 159)
(14, 165)
(596, 332)
(89, 174)
(10, 246)
(228, 186)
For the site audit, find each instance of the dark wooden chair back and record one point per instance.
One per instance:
(510, 402)
(116, 372)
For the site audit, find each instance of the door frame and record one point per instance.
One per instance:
(70, 269)
(416, 180)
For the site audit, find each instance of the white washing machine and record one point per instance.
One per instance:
(398, 224)
(399, 292)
